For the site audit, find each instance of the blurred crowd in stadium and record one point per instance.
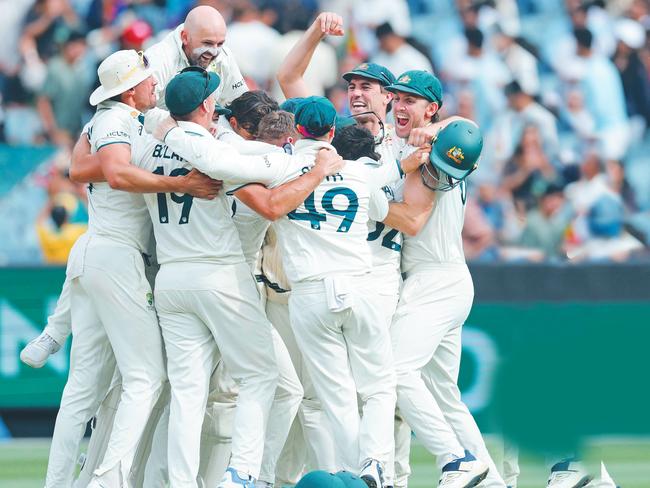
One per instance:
(561, 89)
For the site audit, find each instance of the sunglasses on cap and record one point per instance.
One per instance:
(206, 78)
(142, 62)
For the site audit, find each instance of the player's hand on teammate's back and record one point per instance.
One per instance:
(163, 128)
(416, 159)
(328, 162)
(330, 23)
(201, 186)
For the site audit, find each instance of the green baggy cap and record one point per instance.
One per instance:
(187, 90)
(420, 83)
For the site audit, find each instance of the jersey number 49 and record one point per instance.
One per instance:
(327, 203)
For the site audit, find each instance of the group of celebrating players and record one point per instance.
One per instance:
(311, 287)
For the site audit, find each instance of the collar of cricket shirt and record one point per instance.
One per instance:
(194, 128)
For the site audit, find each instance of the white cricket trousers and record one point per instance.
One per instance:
(59, 323)
(346, 353)
(386, 283)
(113, 322)
(202, 306)
(310, 444)
(426, 333)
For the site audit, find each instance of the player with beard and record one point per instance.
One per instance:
(197, 42)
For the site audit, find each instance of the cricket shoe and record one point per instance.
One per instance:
(232, 479)
(605, 480)
(568, 474)
(35, 353)
(372, 474)
(465, 472)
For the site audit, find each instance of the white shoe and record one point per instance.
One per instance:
(465, 472)
(36, 353)
(232, 479)
(372, 474)
(605, 480)
(568, 474)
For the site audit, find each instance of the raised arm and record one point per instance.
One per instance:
(410, 215)
(274, 203)
(292, 71)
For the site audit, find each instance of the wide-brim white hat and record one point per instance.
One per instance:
(119, 72)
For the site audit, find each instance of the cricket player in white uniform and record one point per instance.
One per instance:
(437, 294)
(369, 103)
(253, 220)
(197, 42)
(335, 320)
(205, 290)
(254, 208)
(110, 298)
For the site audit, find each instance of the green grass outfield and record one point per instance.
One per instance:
(23, 463)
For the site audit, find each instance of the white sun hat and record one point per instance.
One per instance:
(119, 72)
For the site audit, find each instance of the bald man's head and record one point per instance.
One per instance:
(203, 34)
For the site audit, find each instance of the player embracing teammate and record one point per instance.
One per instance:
(371, 338)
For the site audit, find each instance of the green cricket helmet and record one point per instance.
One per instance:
(454, 155)
(350, 480)
(320, 479)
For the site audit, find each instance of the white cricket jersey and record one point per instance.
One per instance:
(189, 229)
(385, 242)
(251, 226)
(167, 58)
(327, 234)
(119, 215)
(440, 240)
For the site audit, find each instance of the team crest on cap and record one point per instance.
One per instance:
(363, 66)
(404, 79)
(456, 155)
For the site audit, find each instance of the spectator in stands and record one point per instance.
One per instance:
(370, 14)
(485, 74)
(396, 54)
(634, 76)
(608, 241)
(576, 120)
(248, 23)
(591, 186)
(55, 233)
(479, 239)
(523, 111)
(63, 98)
(546, 226)
(42, 24)
(519, 59)
(135, 35)
(603, 95)
(529, 171)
